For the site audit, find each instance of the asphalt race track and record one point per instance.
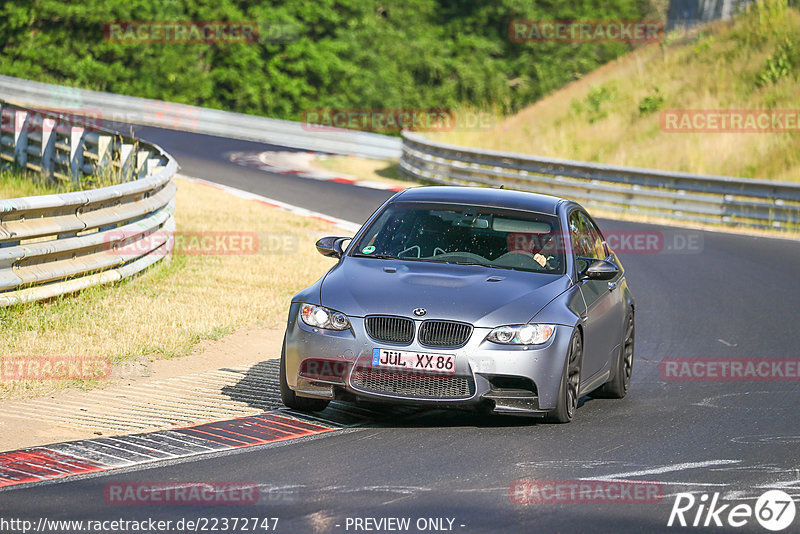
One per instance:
(722, 296)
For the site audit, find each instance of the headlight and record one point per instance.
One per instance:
(522, 334)
(321, 317)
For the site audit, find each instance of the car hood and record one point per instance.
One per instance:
(481, 296)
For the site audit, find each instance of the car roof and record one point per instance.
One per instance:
(481, 196)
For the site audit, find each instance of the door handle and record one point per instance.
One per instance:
(611, 286)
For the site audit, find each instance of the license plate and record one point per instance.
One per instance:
(414, 361)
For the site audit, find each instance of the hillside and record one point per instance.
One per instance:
(613, 115)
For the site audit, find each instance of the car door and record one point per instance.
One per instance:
(603, 320)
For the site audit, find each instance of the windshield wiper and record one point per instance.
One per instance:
(492, 265)
(468, 263)
(399, 258)
(377, 256)
(434, 260)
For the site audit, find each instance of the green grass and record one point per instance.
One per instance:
(15, 183)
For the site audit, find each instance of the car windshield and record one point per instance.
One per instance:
(470, 235)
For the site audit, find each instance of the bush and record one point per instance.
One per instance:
(593, 105)
(324, 54)
(778, 65)
(651, 103)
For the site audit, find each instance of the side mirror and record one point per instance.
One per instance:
(331, 247)
(599, 270)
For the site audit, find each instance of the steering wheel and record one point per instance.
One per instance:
(528, 258)
(409, 249)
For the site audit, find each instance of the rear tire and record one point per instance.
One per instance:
(568, 393)
(290, 399)
(618, 386)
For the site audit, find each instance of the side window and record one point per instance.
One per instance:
(594, 238)
(585, 238)
(575, 234)
(576, 237)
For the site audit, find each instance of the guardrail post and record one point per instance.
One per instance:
(103, 150)
(48, 144)
(126, 161)
(76, 152)
(141, 163)
(20, 122)
(152, 163)
(4, 139)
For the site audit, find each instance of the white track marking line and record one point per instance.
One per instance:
(659, 482)
(303, 212)
(299, 164)
(792, 484)
(664, 469)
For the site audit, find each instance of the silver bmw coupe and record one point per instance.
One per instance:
(494, 299)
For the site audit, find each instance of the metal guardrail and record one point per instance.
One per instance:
(56, 244)
(680, 196)
(674, 195)
(144, 111)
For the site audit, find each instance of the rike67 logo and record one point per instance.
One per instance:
(774, 510)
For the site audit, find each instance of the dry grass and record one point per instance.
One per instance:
(375, 170)
(168, 310)
(598, 118)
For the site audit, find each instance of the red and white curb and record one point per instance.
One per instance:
(299, 164)
(271, 202)
(34, 465)
(61, 460)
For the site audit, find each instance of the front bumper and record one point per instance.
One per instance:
(503, 378)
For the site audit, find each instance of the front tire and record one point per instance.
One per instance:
(618, 386)
(568, 393)
(290, 399)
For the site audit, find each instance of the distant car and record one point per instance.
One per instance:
(466, 297)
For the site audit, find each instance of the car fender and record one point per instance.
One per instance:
(568, 309)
